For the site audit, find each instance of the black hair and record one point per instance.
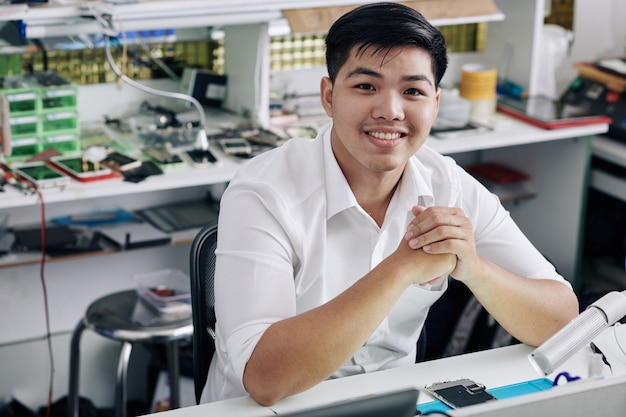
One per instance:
(383, 26)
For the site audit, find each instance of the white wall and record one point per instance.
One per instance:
(599, 32)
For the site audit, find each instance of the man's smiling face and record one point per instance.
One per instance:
(383, 104)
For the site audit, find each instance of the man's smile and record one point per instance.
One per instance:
(385, 135)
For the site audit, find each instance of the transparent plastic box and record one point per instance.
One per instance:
(167, 291)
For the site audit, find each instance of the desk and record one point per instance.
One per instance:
(494, 368)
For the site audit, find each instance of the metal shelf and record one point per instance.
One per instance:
(610, 150)
(54, 20)
(608, 184)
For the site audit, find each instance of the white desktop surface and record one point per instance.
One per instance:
(493, 368)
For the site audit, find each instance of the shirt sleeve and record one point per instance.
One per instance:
(254, 282)
(497, 236)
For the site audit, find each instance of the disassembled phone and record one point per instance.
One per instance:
(201, 156)
(460, 392)
(41, 175)
(162, 156)
(235, 146)
(80, 167)
(262, 136)
(119, 162)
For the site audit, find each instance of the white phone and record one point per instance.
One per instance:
(41, 175)
(79, 166)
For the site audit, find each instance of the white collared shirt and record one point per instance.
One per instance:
(292, 237)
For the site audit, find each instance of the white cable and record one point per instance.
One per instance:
(617, 341)
(107, 21)
(202, 142)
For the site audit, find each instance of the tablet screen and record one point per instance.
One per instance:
(547, 113)
(543, 108)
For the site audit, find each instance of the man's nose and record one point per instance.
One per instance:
(389, 106)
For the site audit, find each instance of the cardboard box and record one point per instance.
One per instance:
(319, 19)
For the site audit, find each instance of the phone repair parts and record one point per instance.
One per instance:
(460, 392)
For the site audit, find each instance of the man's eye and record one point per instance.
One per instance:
(368, 87)
(413, 92)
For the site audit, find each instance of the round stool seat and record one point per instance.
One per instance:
(116, 316)
(124, 317)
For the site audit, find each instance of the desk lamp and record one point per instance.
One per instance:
(580, 331)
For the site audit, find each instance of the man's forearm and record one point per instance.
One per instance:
(297, 353)
(530, 309)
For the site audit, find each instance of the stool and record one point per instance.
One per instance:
(112, 317)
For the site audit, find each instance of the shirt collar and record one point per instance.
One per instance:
(415, 185)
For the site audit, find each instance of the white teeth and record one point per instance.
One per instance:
(385, 136)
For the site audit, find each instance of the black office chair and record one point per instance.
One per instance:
(201, 271)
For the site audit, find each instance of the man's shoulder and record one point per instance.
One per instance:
(295, 165)
(295, 151)
(435, 162)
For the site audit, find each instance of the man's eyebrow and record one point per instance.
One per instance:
(418, 78)
(372, 73)
(364, 71)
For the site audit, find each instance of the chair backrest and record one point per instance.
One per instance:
(201, 271)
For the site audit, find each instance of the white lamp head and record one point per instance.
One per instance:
(579, 332)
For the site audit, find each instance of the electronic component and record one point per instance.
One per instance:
(41, 175)
(119, 162)
(546, 113)
(162, 156)
(200, 156)
(591, 90)
(235, 146)
(207, 87)
(460, 392)
(80, 167)
(262, 136)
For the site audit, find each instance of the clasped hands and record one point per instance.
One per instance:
(444, 240)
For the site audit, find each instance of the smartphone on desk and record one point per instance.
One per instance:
(235, 146)
(80, 167)
(41, 175)
(460, 392)
(119, 162)
(162, 156)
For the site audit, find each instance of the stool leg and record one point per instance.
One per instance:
(174, 371)
(121, 379)
(72, 395)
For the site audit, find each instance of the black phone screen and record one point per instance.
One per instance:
(460, 396)
(544, 108)
(460, 393)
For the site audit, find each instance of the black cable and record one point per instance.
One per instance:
(42, 48)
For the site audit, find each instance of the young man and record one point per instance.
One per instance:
(331, 251)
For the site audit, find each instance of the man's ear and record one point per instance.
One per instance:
(326, 95)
